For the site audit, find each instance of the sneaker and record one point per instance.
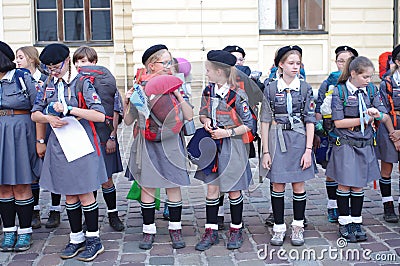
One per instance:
(235, 239)
(347, 232)
(115, 222)
(93, 248)
(177, 239)
(24, 242)
(147, 241)
(71, 250)
(209, 238)
(220, 222)
(36, 223)
(359, 232)
(270, 220)
(297, 238)
(388, 213)
(278, 238)
(54, 219)
(166, 211)
(9, 239)
(333, 215)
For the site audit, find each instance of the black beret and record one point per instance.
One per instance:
(346, 48)
(222, 57)
(150, 51)
(234, 48)
(54, 53)
(7, 51)
(395, 52)
(282, 51)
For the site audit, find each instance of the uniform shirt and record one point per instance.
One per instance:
(339, 111)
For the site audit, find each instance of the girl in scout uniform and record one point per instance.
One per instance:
(287, 129)
(169, 169)
(19, 153)
(79, 178)
(387, 151)
(233, 173)
(87, 56)
(28, 57)
(355, 103)
(342, 54)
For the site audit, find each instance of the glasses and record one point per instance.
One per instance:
(165, 64)
(56, 70)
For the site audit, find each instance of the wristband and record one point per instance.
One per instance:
(380, 117)
(111, 138)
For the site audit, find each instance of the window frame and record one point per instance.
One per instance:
(87, 27)
(302, 21)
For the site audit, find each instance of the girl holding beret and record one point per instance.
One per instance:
(169, 169)
(19, 154)
(76, 179)
(233, 173)
(287, 116)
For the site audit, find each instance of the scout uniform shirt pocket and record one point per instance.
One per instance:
(280, 103)
(351, 108)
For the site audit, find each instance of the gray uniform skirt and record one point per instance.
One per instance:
(285, 166)
(19, 162)
(352, 166)
(159, 164)
(385, 149)
(81, 176)
(112, 161)
(234, 172)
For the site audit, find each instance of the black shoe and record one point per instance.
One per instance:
(147, 241)
(220, 222)
(71, 250)
(115, 222)
(235, 239)
(177, 239)
(36, 223)
(270, 220)
(347, 232)
(388, 213)
(209, 238)
(359, 232)
(54, 219)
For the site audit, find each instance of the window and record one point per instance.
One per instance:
(291, 16)
(73, 21)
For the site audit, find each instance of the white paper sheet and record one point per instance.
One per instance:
(73, 139)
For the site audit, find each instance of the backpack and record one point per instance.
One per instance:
(389, 89)
(249, 136)
(19, 75)
(326, 109)
(328, 124)
(383, 61)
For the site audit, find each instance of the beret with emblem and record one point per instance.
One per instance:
(151, 50)
(221, 56)
(395, 52)
(234, 48)
(345, 48)
(283, 50)
(7, 51)
(54, 53)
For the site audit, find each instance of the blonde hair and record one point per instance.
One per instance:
(31, 53)
(154, 58)
(285, 56)
(229, 71)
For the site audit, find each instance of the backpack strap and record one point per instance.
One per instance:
(303, 92)
(343, 93)
(389, 90)
(271, 93)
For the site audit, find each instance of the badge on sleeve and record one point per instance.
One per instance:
(245, 107)
(96, 98)
(312, 105)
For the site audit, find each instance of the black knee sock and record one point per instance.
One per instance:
(278, 206)
(74, 212)
(24, 209)
(212, 211)
(357, 200)
(55, 199)
(385, 184)
(331, 187)
(91, 213)
(110, 197)
(236, 206)
(95, 194)
(35, 193)
(299, 205)
(148, 212)
(175, 211)
(7, 212)
(343, 202)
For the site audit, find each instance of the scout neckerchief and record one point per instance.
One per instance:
(61, 96)
(217, 93)
(362, 108)
(295, 86)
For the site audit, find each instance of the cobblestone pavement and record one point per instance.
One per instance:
(121, 248)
